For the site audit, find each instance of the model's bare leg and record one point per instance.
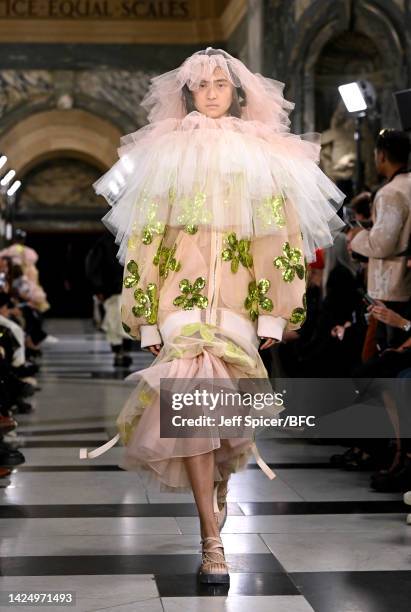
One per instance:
(200, 470)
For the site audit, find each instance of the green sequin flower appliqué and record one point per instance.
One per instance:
(237, 251)
(191, 295)
(165, 260)
(132, 279)
(271, 211)
(256, 297)
(153, 226)
(289, 263)
(146, 303)
(299, 315)
(193, 212)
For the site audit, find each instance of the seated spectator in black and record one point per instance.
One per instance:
(20, 368)
(12, 389)
(8, 346)
(289, 351)
(337, 328)
(8, 396)
(6, 306)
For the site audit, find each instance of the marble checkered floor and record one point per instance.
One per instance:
(314, 538)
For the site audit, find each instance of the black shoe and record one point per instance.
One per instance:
(33, 353)
(340, 460)
(383, 474)
(26, 390)
(23, 407)
(27, 369)
(397, 482)
(11, 457)
(360, 465)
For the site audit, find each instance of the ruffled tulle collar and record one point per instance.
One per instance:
(197, 120)
(305, 145)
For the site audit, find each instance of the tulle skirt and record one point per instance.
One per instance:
(194, 353)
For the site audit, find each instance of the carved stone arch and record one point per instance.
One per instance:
(324, 21)
(50, 134)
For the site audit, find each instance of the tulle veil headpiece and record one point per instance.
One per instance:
(187, 169)
(264, 97)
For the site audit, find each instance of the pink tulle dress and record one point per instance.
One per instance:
(216, 221)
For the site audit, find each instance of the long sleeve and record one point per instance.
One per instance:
(279, 268)
(382, 239)
(140, 291)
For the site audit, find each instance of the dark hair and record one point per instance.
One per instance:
(361, 204)
(395, 144)
(239, 95)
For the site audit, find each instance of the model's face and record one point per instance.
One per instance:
(214, 97)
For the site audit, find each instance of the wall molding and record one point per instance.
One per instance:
(130, 31)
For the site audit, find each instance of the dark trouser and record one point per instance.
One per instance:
(381, 374)
(34, 324)
(126, 346)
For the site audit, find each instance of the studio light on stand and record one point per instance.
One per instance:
(359, 98)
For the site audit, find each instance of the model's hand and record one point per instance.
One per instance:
(268, 342)
(154, 348)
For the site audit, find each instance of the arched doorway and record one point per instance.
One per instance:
(58, 155)
(61, 214)
(321, 29)
(345, 58)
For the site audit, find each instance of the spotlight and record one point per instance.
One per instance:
(12, 190)
(7, 177)
(359, 98)
(352, 97)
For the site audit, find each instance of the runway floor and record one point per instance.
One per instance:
(314, 538)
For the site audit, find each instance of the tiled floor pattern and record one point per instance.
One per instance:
(314, 538)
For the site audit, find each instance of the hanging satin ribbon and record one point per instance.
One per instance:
(86, 454)
(96, 452)
(261, 463)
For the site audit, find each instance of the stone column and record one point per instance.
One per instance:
(255, 35)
